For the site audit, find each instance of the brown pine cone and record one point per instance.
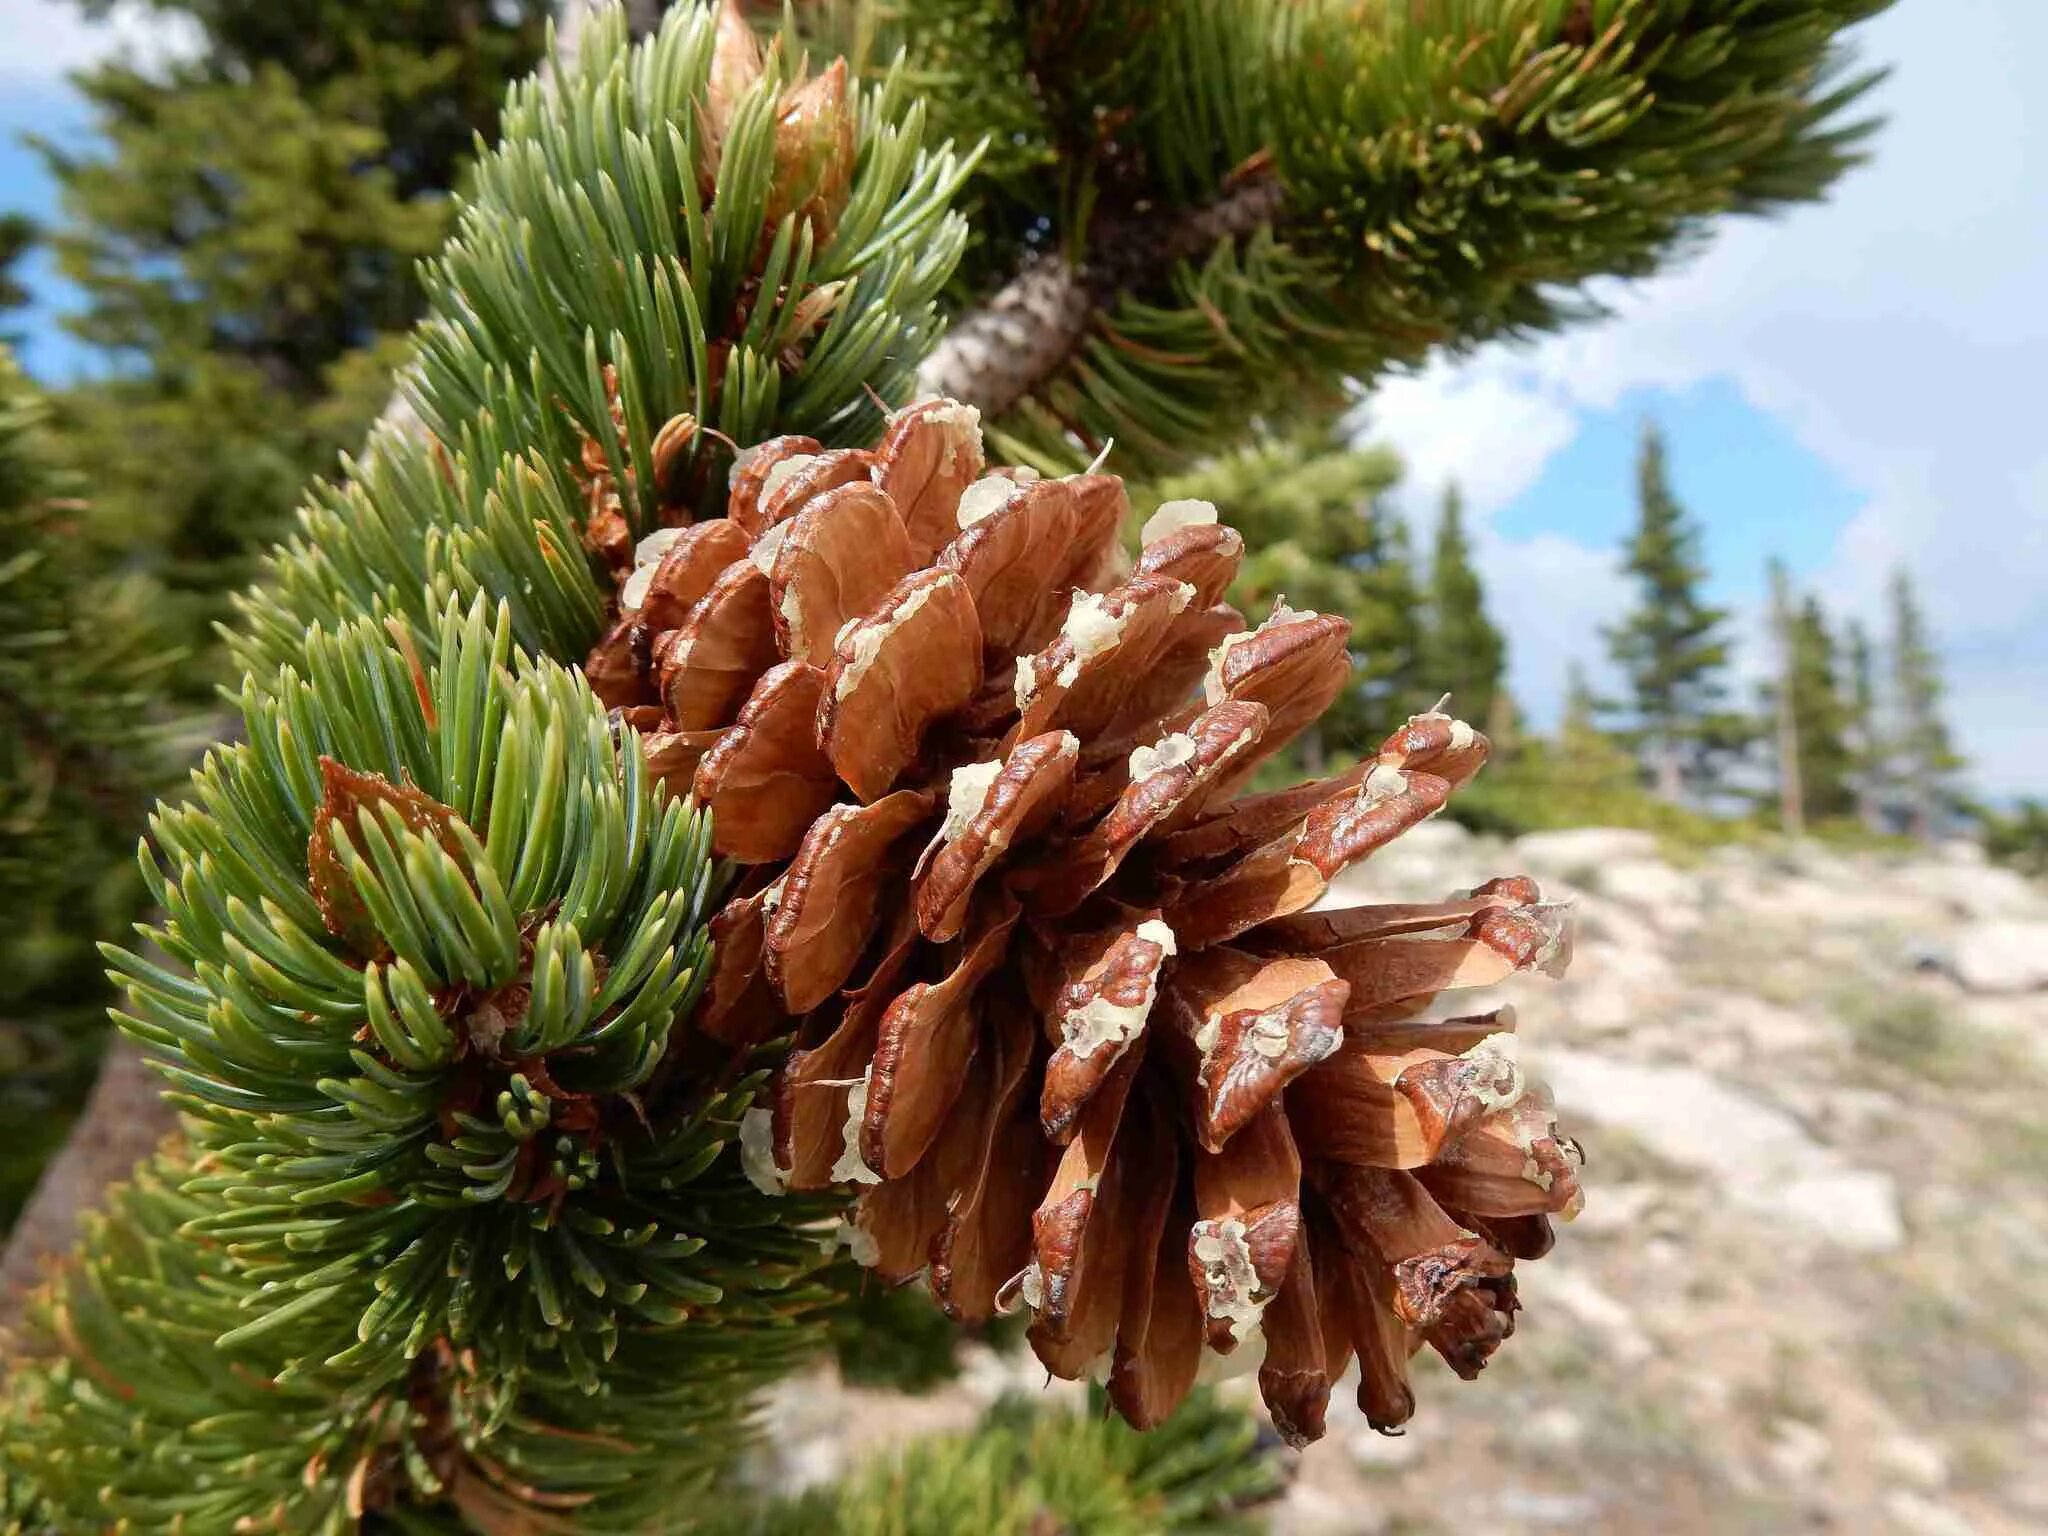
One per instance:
(1065, 1008)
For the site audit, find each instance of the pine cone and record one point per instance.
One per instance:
(1061, 1007)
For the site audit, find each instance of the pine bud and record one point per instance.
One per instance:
(814, 151)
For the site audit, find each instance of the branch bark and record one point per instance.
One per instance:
(997, 355)
(124, 1120)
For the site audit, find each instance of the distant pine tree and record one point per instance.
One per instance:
(1827, 763)
(1781, 697)
(80, 757)
(1464, 653)
(1673, 646)
(1925, 758)
(245, 231)
(17, 234)
(1861, 723)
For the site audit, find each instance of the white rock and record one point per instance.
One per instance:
(1560, 1287)
(1536, 1506)
(1618, 1207)
(1798, 1452)
(1669, 898)
(1383, 1453)
(1921, 1464)
(1980, 892)
(1575, 853)
(1554, 1428)
(1759, 1155)
(2002, 957)
(1920, 1516)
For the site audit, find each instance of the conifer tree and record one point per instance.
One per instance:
(476, 1213)
(17, 233)
(1823, 712)
(1862, 726)
(1672, 647)
(244, 232)
(1463, 653)
(1925, 760)
(82, 750)
(1782, 694)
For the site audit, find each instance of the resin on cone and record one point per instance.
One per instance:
(1067, 1010)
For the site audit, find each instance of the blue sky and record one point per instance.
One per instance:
(1852, 386)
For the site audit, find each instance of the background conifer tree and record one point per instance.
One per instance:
(1862, 723)
(1672, 647)
(1827, 763)
(1782, 696)
(1463, 653)
(245, 232)
(17, 233)
(1924, 759)
(83, 748)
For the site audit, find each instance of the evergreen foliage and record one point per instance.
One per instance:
(1463, 653)
(245, 234)
(1252, 202)
(1027, 1471)
(1672, 647)
(588, 276)
(1924, 762)
(454, 1181)
(450, 1155)
(1862, 723)
(1827, 766)
(1579, 776)
(82, 748)
(1320, 532)
(17, 234)
(2019, 837)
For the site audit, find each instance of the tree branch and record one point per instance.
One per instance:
(124, 1120)
(998, 355)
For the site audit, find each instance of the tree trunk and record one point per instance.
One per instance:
(1791, 785)
(1670, 771)
(123, 1122)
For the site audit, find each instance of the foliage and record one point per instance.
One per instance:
(1025, 1471)
(245, 236)
(1463, 653)
(553, 307)
(456, 1182)
(457, 1238)
(895, 1337)
(429, 932)
(1672, 647)
(81, 749)
(1861, 723)
(1265, 198)
(1581, 777)
(17, 234)
(1923, 760)
(2019, 837)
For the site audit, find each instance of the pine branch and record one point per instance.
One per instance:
(1443, 175)
(997, 355)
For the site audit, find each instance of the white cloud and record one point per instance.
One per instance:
(1897, 332)
(47, 39)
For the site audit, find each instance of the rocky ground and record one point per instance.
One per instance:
(1807, 1292)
